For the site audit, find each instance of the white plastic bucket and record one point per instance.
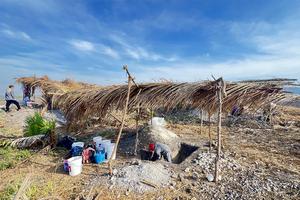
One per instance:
(75, 165)
(105, 144)
(97, 142)
(110, 151)
(157, 122)
(78, 144)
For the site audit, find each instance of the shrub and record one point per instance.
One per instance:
(36, 125)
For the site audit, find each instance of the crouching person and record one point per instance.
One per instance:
(159, 150)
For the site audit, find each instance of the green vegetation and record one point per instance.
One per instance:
(48, 127)
(37, 191)
(10, 191)
(9, 157)
(36, 125)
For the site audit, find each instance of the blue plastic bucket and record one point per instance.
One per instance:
(99, 157)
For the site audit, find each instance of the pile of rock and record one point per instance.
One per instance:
(207, 162)
(141, 176)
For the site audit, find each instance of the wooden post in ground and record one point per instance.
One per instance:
(201, 122)
(122, 122)
(220, 93)
(137, 129)
(209, 131)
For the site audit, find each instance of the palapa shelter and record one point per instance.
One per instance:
(50, 88)
(80, 101)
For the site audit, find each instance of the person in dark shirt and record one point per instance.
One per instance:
(10, 99)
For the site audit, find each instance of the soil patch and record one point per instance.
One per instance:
(185, 151)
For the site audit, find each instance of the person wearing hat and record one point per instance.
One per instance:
(10, 99)
(159, 150)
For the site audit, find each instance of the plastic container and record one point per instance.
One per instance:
(75, 165)
(78, 144)
(157, 122)
(66, 166)
(76, 151)
(97, 142)
(110, 151)
(99, 157)
(105, 144)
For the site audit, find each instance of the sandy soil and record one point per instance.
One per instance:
(268, 163)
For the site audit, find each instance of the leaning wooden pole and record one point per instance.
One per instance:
(137, 129)
(122, 122)
(220, 94)
(201, 121)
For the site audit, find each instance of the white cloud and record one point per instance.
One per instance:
(110, 52)
(277, 55)
(139, 53)
(20, 35)
(82, 45)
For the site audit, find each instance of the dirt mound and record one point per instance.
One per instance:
(153, 134)
(139, 177)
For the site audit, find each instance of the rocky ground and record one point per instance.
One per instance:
(256, 163)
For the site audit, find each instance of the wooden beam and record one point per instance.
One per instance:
(201, 121)
(137, 130)
(122, 122)
(220, 93)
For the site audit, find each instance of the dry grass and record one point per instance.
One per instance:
(81, 101)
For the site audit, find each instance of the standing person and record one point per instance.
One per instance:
(10, 99)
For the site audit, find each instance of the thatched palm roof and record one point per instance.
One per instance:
(81, 102)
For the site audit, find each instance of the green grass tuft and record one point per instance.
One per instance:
(9, 157)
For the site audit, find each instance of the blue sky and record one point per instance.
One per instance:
(90, 40)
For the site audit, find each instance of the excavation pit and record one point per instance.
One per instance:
(184, 152)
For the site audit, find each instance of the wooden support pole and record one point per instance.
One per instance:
(137, 129)
(201, 122)
(122, 122)
(220, 94)
(209, 131)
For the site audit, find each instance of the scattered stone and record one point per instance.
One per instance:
(173, 183)
(195, 161)
(188, 190)
(136, 162)
(210, 177)
(187, 169)
(174, 175)
(127, 192)
(181, 177)
(115, 172)
(160, 198)
(195, 176)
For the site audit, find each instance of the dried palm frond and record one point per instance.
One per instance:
(80, 103)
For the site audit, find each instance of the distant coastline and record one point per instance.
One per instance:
(293, 89)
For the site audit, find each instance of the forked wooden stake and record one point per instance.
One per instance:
(122, 122)
(220, 93)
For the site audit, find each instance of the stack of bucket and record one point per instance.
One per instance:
(104, 146)
(74, 164)
(104, 150)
